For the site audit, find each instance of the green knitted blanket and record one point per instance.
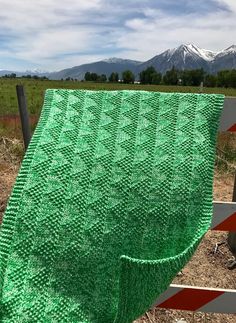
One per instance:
(112, 199)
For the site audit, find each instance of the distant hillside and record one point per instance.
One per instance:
(18, 74)
(102, 67)
(183, 57)
(226, 59)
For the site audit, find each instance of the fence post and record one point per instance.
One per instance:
(201, 88)
(24, 116)
(231, 239)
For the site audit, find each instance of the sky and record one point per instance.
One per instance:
(51, 35)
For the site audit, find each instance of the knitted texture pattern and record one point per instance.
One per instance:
(112, 199)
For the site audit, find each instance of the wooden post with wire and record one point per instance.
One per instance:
(24, 116)
(231, 238)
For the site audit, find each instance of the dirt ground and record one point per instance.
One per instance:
(205, 268)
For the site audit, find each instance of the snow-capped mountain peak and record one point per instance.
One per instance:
(113, 60)
(228, 51)
(231, 49)
(191, 49)
(116, 60)
(36, 71)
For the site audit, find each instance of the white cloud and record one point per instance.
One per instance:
(46, 29)
(231, 4)
(158, 32)
(56, 35)
(30, 14)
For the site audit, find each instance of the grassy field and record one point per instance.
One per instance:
(35, 91)
(10, 124)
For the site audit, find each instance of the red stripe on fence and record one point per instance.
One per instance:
(190, 299)
(233, 128)
(228, 224)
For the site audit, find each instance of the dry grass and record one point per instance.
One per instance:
(11, 153)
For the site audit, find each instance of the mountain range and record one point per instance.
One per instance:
(185, 56)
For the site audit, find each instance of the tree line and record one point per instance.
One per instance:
(127, 77)
(224, 78)
(29, 76)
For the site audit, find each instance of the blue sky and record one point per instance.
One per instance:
(52, 35)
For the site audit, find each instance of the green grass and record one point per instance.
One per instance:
(35, 91)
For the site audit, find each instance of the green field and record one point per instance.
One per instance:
(35, 91)
(10, 126)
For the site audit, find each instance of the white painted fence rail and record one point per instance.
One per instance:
(224, 216)
(228, 116)
(198, 299)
